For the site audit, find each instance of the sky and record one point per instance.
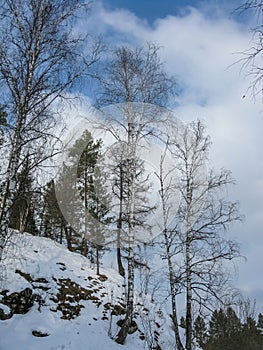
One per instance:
(201, 43)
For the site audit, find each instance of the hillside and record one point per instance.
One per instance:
(51, 298)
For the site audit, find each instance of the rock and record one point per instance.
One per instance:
(39, 334)
(18, 302)
(5, 312)
(25, 301)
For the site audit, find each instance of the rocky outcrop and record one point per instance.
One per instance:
(18, 303)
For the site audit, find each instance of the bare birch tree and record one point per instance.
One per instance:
(132, 80)
(167, 193)
(40, 59)
(195, 244)
(252, 57)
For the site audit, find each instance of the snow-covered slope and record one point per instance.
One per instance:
(50, 298)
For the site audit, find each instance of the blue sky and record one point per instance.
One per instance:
(200, 46)
(154, 9)
(151, 10)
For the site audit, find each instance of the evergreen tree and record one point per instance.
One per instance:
(224, 324)
(227, 333)
(85, 153)
(22, 213)
(233, 324)
(70, 207)
(200, 331)
(83, 198)
(52, 221)
(99, 211)
(217, 324)
(120, 167)
(249, 337)
(260, 321)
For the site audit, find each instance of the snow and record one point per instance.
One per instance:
(48, 264)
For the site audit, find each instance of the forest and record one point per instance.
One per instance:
(128, 183)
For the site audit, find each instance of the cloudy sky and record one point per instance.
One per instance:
(201, 42)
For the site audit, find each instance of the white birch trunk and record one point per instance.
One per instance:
(165, 209)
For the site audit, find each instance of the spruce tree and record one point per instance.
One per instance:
(52, 221)
(83, 198)
(85, 153)
(233, 324)
(70, 207)
(22, 212)
(217, 324)
(99, 213)
(227, 333)
(260, 321)
(200, 331)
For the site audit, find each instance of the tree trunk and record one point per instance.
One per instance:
(119, 227)
(85, 237)
(61, 232)
(68, 233)
(23, 216)
(119, 261)
(173, 297)
(122, 335)
(165, 211)
(84, 247)
(97, 260)
(9, 191)
(188, 318)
